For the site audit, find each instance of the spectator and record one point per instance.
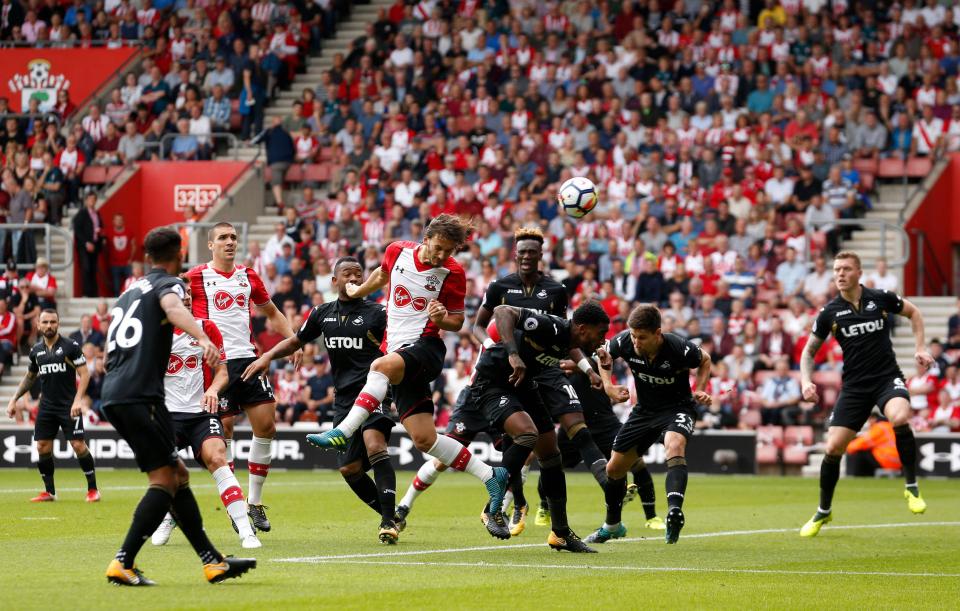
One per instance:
(89, 238)
(780, 396)
(186, 146)
(132, 144)
(791, 274)
(86, 334)
(43, 284)
(775, 345)
(882, 278)
(121, 251)
(280, 156)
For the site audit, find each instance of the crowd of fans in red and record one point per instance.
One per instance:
(726, 139)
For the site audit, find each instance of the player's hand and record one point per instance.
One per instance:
(296, 358)
(924, 359)
(618, 394)
(604, 359)
(256, 368)
(809, 392)
(702, 397)
(211, 354)
(353, 290)
(519, 370)
(11, 408)
(567, 366)
(211, 401)
(595, 380)
(436, 312)
(76, 409)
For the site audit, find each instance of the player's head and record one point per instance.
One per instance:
(590, 326)
(443, 237)
(847, 270)
(645, 333)
(187, 294)
(222, 242)
(346, 270)
(49, 323)
(162, 246)
(529, 244)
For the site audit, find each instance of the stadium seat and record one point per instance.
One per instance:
(94, 175)
(866, 166)
(112, 172)
(770, 435)
(918, 167)
(829, 379)
(317, 172)
(768, 455)
(891, 167)
(294, 174)
(867, 182)
(828, 397)
(795, 455)
(798, 435)
(750, 418)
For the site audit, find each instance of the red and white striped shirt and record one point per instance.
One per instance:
(187, 375)
(226, 298)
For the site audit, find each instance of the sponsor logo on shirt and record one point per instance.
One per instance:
(223, 300)
(862, 328)
(351, 343)
(53, 368)
(870, 306)
(542, 294)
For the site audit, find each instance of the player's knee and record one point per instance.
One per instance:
(675, 447)
(439, 466)
(424, 441)
(44, 447)
(351, 470)
(527, 439)
(266, 430)
(79, 446)
(574, 426)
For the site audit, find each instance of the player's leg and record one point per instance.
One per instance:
(88, 467)
(579, 435)
(623, 456)
(264, 428)
(555, 487)
(676, 482)
(46, 467)
(385, 478)
(426, 475)
(213, 454)
(898, 412)
(362, 485)
(643, 484)
(226, 420)
(522, 432)
(838, 437)
(149, 513)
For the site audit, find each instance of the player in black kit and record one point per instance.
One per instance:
(665, 410)
(138, 350)
(857, 317)
(352, 331)
(506, 389)
(57, 361)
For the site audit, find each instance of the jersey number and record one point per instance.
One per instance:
(125, 330)
(571, 392)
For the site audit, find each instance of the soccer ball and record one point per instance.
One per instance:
(578, 196)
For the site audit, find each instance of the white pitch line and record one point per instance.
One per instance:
(39, 518)
(484, 548)
(194, 486)
(642, 569)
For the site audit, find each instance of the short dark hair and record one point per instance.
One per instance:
(49, 311)
(590, 313)
(644, 317)
(218, 226)
(162, 244)
(450, 227)
(344, 261)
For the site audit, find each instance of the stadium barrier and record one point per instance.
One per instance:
(710, 452)
(33, 231)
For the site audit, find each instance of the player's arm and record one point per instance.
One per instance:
(285, 348)
(480, 326)
(211, 396)
(446, 311)
(80, 365)
(583, 364)
(617, 394)
(912, 312)
(180, 317)
(448, 321)
(807, 364)
(700, 395)
(374, 282)
(25, 385)
(506, 317)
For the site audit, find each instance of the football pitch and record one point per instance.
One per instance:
(739, 549)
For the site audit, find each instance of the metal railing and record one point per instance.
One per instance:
(41, 116)
(48, 231)
(923, 251)
(885, 228)
(165, 150)
(198, 236)
(72, 44)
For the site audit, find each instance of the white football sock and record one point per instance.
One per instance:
(451, 452)
(259, 466)
(426, 475)
(232, 496)
(367, 402)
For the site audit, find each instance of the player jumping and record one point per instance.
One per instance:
(857, 317)
(353, 331)
(425, 290)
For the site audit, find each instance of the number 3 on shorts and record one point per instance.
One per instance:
(685, 422)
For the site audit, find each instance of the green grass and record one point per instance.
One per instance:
(54, 555)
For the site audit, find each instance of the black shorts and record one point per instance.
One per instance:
(149, 430)
(191, 430)
(422, 364)
(467, 420)
(500, 402)
(239, 394)
(643, 429)
(52, 421)
(557, 393)
(855, 404)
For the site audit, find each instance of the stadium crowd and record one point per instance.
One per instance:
(725, 138)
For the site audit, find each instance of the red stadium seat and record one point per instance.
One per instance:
(768, 455)
(867, 182)
(94, 175)
(795, 455)
(891, 167)
(918, 167)
(798, 435)
(866, 166)
(770, 435)
(318, 172)
(828, 397)
(113, 172)
(828, 379)
(294, 173)
(750, 418)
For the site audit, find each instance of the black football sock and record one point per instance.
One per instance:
(591, 454)
(187, 514)
(676, 481)
(365, 489)
(86, 463)
(45, 466)
(645, 488)
(613, 494)
(386, 481)
(555, 485)
(907, 449)
(543, 495)
(146, 518)
(514, 458)
(829, 476)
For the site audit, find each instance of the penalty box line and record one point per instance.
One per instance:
(507, 546)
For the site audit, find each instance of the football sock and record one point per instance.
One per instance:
(676, 481)
(364, 488)
(555, 485)
(543, 495)
(386, 480)
(426, 475)
(645, 488)
(367, 402)
(229, 443)
(259, 466)
(591, 454)
(514, 458)
(45, 466)
(829, 476)
(86, 463)
(232, 497)
(613, 494)
(450, 452)
(907, 449)
(146, 518)
(187, 514)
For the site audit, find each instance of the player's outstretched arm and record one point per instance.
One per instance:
(701, 395)
(912, 312)
(25, 385)
(807, 388)
(374, 282)
(77, 408)
(181, 318)
(284, 349)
